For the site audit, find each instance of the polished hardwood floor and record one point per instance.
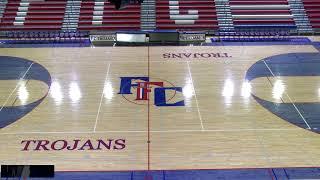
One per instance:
(138, 108)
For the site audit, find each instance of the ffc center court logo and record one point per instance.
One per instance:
(139, 90)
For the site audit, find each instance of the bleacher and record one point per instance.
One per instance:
(180, 15)
(261, 14)
(101, 15)
(186, 15)
(312, 8)
(33, 15)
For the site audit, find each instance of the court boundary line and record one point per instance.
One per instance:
(155, 131)
(18, 84)
(195, 96)
(160, 61)
(185, 169)
(289, 98)
(99, 109)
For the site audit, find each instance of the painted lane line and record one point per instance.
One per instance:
(154, 131)
(97, 117)
(195, 95)
(305, 121)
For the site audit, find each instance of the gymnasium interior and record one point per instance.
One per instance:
(160, 89)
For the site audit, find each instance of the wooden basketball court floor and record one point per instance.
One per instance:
(190, 107)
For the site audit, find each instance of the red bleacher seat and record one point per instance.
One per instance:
(33, 15)
(261, 13)
(170, 14)
(186, 15)
(105, 17)
(312, 8)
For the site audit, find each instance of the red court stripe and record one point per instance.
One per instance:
(148, 113)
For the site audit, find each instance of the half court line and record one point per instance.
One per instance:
(97, 117)
(290, 99)
(18, 84)
(195, 95)
(149, 123)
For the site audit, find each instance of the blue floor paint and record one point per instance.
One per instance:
(317, 45)
(291, 64)
(14, 68)
(94, 175)
(227, 174)
(219, 174)
(303, 173)
(286, 111)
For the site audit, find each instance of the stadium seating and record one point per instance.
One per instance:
(43, 37)
(33, 15)
(261, 14)
(186, 15)
(312, 8)
(103, 16)
(181, 15)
